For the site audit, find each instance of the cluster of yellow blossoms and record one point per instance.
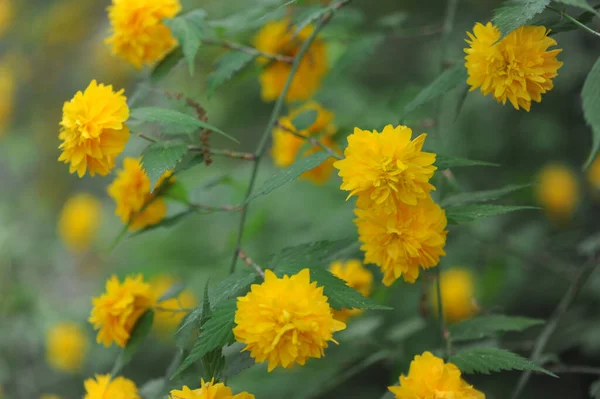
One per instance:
(209, 390)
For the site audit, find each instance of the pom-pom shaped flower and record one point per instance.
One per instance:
(519, 68)
(386, 169)
(280, 37)
(103, 387)
(458, 294)
(66, 347)
(429, 377)
(93, 130)
(356, 276)
(285, 320)
(209, 390)
(117, 310)
(168, 318)
(79, 221)
(558, 191)
(138, 32)
(400, 243)
(136, 205)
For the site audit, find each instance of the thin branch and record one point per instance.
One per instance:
(247, 156)
(567, 369)
(441, 316)
(248, 260)
(177, 310)
(311, 140)
(583, 26)
(147, 138)
(228, 208)
(249, 50)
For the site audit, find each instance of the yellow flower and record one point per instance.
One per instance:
(138, 33)
(285, 320)
(386, 169)
(164, 321)
(286, 146)
(6, 15)
(116, 311)
(458, 295)
(400, 243)
(104, 388)
(209, 390)
(356, 276)
(131, 192)
(429, 377)
(518, 68)
(558, 191)
(279, 37)
(79, 221)
(7, 96)
(93, 130)
(66, 346)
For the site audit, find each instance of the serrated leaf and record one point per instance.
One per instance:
(487, 360)
(557, 23)
(314, 253)
(226, 67)
(292, 173)
(165, 66)
(583, 4)
(482, 196)
(591, 108)
(237, 362)
(445, 162)
(513, 13)
(160, 157)
(188, 327)
(468, 213)
(305, 119)
(140, 331)
(485, 326)
(173, 292)
(448, 80)
(236, 284)
(177, 192)
(189, 31)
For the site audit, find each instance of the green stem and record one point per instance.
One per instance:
(575, 20)
(441, 317)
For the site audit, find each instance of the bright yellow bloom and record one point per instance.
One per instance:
(458, 294)
(518, 68)
(7, 96)
(278, 37)
(430, 378)
(285, 320)
(593, 176)
(131, 192)
(356, 276)
(138, 33)
(104, 388)
(6, 15)
(386, 169)
(209, 390)
(93, 130)
(66, 347)
(164, 321)
(558, 191)
(116, 311)
(79, 221)
(402, 242)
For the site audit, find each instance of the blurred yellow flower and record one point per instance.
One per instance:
(285, 320)
(66, 347)
(138, 33)
(458, 295)
(593, 176)
(280, 37)
(209, 390)
(558, 191)
(6, 16)
(7, 96)
(93, 130)
(386, 169)
(131, 192)
(518, 68)
(429, 377)
(103, 387)
(116, 311)
(79, 221)
(356, 276)
(400, 243)
(166, 322)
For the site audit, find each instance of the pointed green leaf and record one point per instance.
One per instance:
(226, 67)
(305, 119)
(160, 157)
(165, 66)
(166, 222)
(140, 331)
(468, 213)
(314, 253)
(487, 360)
(445, 162)
(513, 13)
(482, 196)
(188, 328)
(189, 31)
(236, 284)
(583, 4)
(591, 108)
(173, 292)
(485, 326)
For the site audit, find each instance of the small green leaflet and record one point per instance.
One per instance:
(448, 80)
(138, 335)
(292, 173)
(591, 108)
(165, 66)
(160, 157)
(482, 196)
(468, 213)
(583, 4)
(445, 162)
(314, 253)
(172, 292)
(226, 67)
(485, 326)
(189, 31)
(236, 284)
(237, 362)
(305, 120)
(513, 13)
(188, 327)
(487, 360)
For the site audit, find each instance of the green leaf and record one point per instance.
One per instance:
(236, 284)
(485, 326)
(226, 67)
(215, 333)
(513, 13)
(468, 213)
(173, 119)
(140, 331)
(314, 253)
(160, 157)
(305, 119)
(237, 362)
(293, 172)
(595, 389)
(213, 363)
(167, 222)
(446, 162)
(448, 80)
(177, 192)
(482, 196)
(591, 108)
(487, 360)
(583, 4)
(165, 66)
(557, 23)
(188, 328)
(173, 292)
(309, 18)
(189, 31)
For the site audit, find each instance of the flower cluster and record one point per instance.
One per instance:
(356, 276)
(209, 390)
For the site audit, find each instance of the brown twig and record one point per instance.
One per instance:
(249, 50)
(311, 140)
(248, 260)
(248, 156)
